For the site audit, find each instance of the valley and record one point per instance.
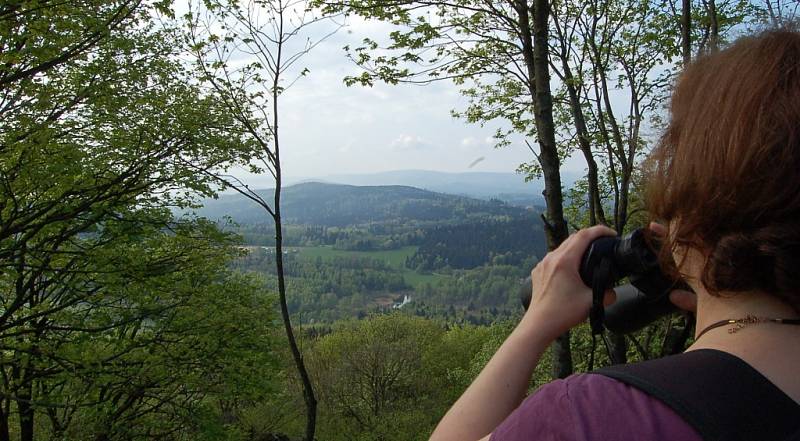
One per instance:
(351, 251)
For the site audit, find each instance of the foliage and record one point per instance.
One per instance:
(468, 245)
(338, 207)
(332, 285)
(119, 321)
(616, 62)
(391, 377)
(244, 54)
(136, 359)
(107, 300)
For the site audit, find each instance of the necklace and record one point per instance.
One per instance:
(748, 320)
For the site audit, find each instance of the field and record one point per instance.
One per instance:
(394, 258)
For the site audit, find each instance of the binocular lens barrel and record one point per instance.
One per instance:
(643, 300)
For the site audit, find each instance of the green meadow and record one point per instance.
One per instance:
(394, 258)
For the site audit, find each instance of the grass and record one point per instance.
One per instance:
(416, 279)
(394, 258)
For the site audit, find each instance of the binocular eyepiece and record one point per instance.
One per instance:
(644, 299)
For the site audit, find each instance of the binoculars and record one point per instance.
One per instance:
(643, 299)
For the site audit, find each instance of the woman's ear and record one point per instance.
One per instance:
(685, 300)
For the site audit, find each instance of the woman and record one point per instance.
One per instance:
(725, 183)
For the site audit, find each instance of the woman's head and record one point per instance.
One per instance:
(726, 174)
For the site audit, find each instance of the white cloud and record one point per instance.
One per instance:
(407, 142)
(470, 142)
(476, 143)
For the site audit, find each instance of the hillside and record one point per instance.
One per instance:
(481, 185)
(352, 250)
(508, 187)
(336, 205)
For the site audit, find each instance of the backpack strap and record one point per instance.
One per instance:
(718, 394)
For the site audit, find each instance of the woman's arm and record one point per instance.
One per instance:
(561, 301)
(499, 388)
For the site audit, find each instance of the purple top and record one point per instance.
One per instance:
(592, 407)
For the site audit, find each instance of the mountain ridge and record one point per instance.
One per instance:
(319, 203)
(483, 185)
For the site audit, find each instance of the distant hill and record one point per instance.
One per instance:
(509, 187)
(315, 203)
(475, 184)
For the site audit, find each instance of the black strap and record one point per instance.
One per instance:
(600, 281)
(718, 394)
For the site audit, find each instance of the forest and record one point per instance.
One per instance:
(127, 312)
(461, 263)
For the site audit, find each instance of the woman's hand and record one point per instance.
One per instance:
(560, 301)
(560, 298)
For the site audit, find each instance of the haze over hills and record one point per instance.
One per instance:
(327, 204)
(510, 187)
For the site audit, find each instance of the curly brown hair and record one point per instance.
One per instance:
(726, 172)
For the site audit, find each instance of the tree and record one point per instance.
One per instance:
(136, 360)
(112, 128)
(368, 373)
(100, 137)
(262, 32)
(34, 42)
(502, 49)
(778, 12)
(617, 61)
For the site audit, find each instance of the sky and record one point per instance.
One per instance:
(328, 128)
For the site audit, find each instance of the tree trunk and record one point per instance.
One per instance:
(676, 337)
(619, 348)
(535, 50)
(713, 42)
(57, 428)
(596, 213)
(24, 407)
(5, 411)
(686, 31)
(308, 389)
(621, 218)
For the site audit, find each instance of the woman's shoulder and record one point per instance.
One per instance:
(592, 407)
